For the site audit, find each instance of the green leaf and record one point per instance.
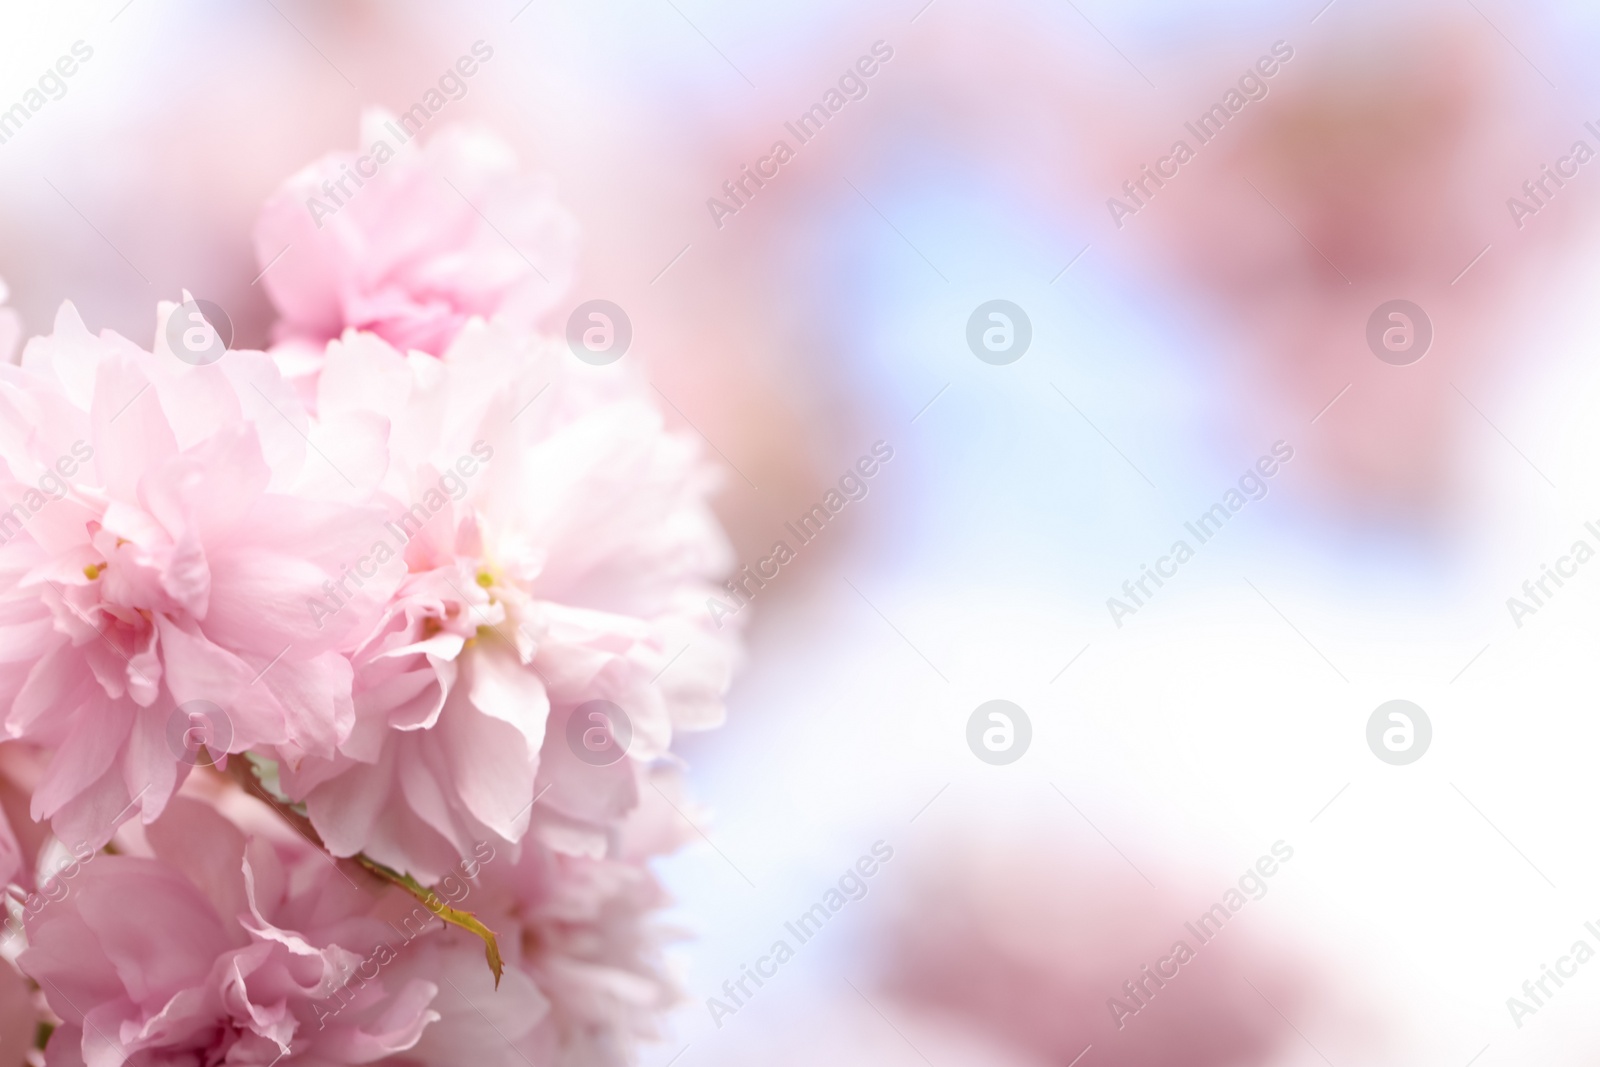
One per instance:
(454, 916)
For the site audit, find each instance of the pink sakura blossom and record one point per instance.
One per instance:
(166, 524)
(405, 553)
(409, 240)
(586, 931)
(244, 945)
(223, 937)
(557, 549)
(1049, 950)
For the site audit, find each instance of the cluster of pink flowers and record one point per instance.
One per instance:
(338, 680)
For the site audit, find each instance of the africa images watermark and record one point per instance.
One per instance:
(453, 887)
(1566, 567)
(52, 82)
(1580, 954)
(852, 486)
(52, 890)
(452, 485)
(52, 486)
(1252, 486)
(1205, 129)
(852, 886)
(1579, 154)
(452, 84)
(1141, 991)
(852, 85)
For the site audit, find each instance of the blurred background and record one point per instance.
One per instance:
(1179, 329)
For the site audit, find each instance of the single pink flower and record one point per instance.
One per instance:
(558, 550)
(244, 945)
(587, 932)
(410, 240)
(1049, 951)
(167, 525)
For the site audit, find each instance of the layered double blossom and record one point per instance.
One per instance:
(338, 680)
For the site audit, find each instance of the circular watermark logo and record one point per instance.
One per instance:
(1399, 332)
(599, 332)
(199, 332)
(599, 732)
(1399, 732)
(999, 332)
(999, 732)
(199, 733)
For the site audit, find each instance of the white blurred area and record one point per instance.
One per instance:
(825, 316)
